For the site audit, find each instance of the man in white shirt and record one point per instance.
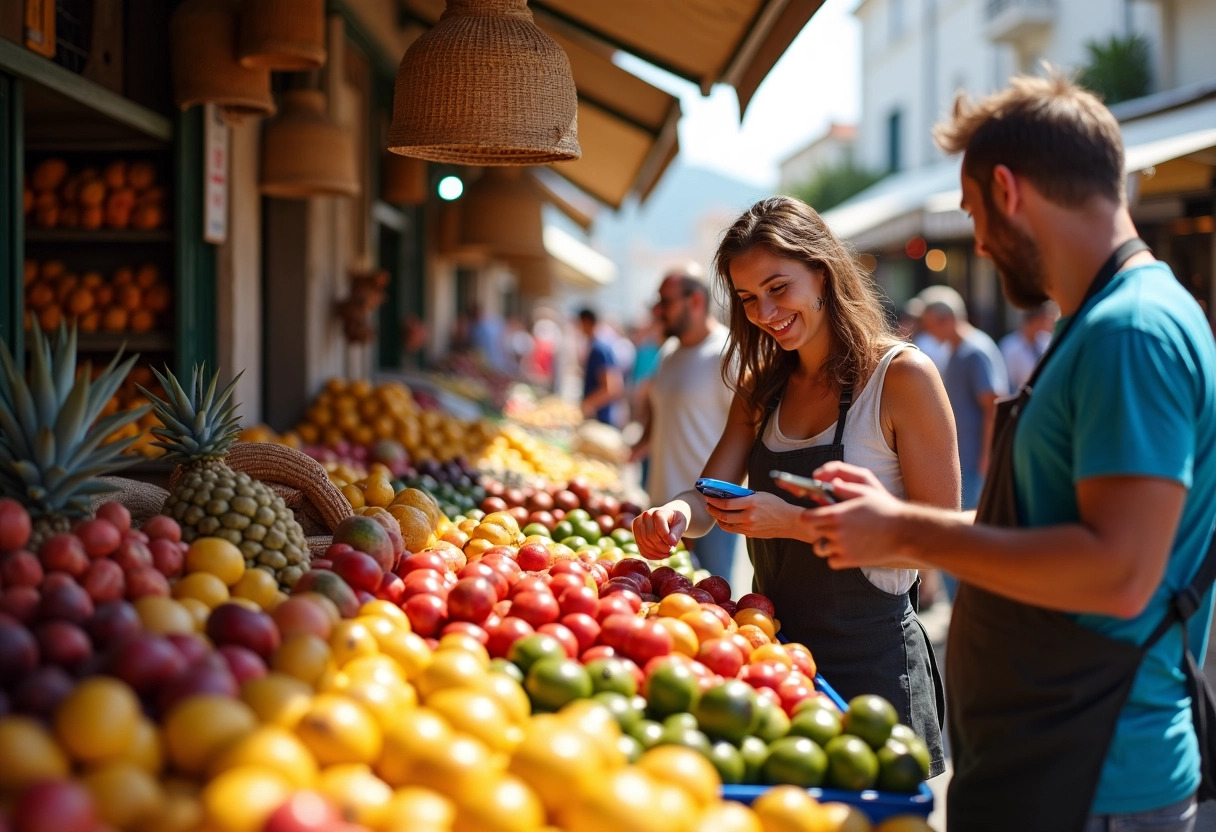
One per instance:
(1023, 347)
(688, 403)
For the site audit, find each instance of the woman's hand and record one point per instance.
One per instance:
(757, 515)
(656, 531)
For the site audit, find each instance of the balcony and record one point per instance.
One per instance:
(1015, 21)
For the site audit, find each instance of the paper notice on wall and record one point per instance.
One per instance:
(215, 172)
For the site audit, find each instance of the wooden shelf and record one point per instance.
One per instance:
(157, 341)
(86, 94)
(75, 235)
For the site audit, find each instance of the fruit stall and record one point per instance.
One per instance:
(456, 651)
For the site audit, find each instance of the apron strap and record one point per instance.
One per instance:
(846, 401)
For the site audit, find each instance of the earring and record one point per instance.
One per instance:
(818, 304)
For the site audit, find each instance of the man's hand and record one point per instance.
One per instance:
(863, 529)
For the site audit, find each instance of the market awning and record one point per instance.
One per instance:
(627, 127)
(576, 263)
(1169, 135)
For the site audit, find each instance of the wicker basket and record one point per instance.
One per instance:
(305, 154)
(485, 86)
(142, 499)
(202, 34)
(284, 35)
(403, 180)
(502, 214)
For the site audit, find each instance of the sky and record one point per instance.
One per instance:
(814, 83)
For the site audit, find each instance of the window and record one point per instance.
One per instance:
(894, 156)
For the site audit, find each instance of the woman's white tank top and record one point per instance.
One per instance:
(866, 446)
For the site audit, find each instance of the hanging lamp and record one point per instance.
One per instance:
(447, 238)
(485, 86)
(284, 35)
(403, 180)
(304, 153)
(502, 214)
(202, 35)
(534, 278)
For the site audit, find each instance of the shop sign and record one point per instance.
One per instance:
(215, 171)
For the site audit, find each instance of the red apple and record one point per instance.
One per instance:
(721, 656)
(146, 661)
(113, 622)
(536, 608)
(63, 643)
(208, 675)
(68, 602)
(167, 557)
(39, 693)
(243, 662)
(468, 629)
(647, 640)
(392, 589)
(615, 629)
(20, 602)
(104, 581)
(100, 537)
(304, 811)
(427, 613)
(565, 637)
(477, 569)
(163, 527)
(757, 601)
(599, 651)
(564, 500)
(359, 570)
(18, 651)
(585, 628)
(543, 517)
(471, 599)
(508, 631)
(793, 689)
(145, 580)
(533, 557)
(562, 581)
(431, 561)
(615, 604)
(64, 553)
(14, 525)
(716, 586)
(132, 554)
(529, 583)
(676, 583)
(579, 599)
(235, 624)
(54, 806)
(21, 568)
(117, 514)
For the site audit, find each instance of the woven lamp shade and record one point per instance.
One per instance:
(485, 86)
(304, 153)
(535, 278)
(502, 213)
(285, 35)
(447, 237)
(203, 35)
(403, 180)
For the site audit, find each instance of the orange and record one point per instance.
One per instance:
(277, 699)
(164, 616)
(771, 652)
(787, 809)
(683, 636)
(241, 799)
(478, 715)
(509, 695)
(412, 807)
(217, 556)
(200, 728)
(142, 320)
(841, 817)
(259, 586)
(304, 657)
(202, 586)
(408, 650)
(354, 495)
(99, 719)
(114, 319)
(270, 747)
(686, 768)
(416, 527)
(385, 701)
(378, 491)
(506, 804)
(80, 301)
(467, 644)
(754, 635)
(448, 669)
(417, 735)
(337, 730)
(459, 767)
(561, 763)
(123, 793)
(677, 604)
(198, 611)
(28, 753)
(374, 668)
(758, 618)
(145, 750)
(360, 795)
(704, 623)
(728, 816)
(386, 610)
(176, 813)
(351, 639)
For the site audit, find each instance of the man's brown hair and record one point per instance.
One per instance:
(1057, 135)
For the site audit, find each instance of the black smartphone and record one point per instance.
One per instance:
(721, 489)
(807, 487)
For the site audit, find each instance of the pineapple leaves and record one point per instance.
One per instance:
(197, 422)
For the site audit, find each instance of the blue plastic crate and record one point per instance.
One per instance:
(877, 805)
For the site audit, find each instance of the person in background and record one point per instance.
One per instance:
(1069, 702)
(911, 328)
(688, 403)
(1023, 347)
(603, 384)
(647, 340)
(819, 374)
(974, 378)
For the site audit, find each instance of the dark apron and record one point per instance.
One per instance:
(1034, 696)
(864, 640)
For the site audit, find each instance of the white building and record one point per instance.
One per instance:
(833, 149)
(917, 54)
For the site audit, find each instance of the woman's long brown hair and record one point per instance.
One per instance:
(755, 366)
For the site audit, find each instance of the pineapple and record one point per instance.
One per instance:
(209, 498)
(52, 443)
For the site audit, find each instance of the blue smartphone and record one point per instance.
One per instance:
(807, 487)
(721, 489)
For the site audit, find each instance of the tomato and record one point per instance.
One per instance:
(646, 640)
(472, 599)
(508, 631)
(722, 656)
(584, 628)
(615, 604)
(563, 635)
(536, 608)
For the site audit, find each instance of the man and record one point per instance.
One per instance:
(974, 379)
(911, 328)
(603, 384)
(1023, 347)
(688, 403)
(1065, 713)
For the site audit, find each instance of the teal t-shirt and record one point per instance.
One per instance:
(1131, 390)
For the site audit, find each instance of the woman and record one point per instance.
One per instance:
(820, 376)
